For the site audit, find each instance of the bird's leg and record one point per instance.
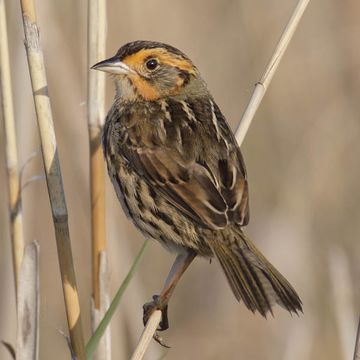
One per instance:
(160, 302)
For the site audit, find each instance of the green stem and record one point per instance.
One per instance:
(99, 332)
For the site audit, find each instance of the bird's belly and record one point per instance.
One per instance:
(154, 216)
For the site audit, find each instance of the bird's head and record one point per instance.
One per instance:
(151, 71)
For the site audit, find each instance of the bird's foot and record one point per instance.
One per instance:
(157, 304)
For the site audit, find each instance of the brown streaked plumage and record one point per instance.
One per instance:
(179, 173)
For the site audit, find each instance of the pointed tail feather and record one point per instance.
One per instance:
(251, 277)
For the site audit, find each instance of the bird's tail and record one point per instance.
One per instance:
(251, 277)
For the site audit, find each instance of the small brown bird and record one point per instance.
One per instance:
(179, 174)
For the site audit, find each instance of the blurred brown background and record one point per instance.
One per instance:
(302, 155)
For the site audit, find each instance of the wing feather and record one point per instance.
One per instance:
(203, 175)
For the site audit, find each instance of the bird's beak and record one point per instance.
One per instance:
(112, 66)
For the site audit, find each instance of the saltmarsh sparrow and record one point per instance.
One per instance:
(179, 174)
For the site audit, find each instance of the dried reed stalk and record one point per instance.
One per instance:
(95, 113)
(241, 131)
(147, 335)
(16, 226)
(263, 84)
(53, 175)
(28, 307)
(103, 348)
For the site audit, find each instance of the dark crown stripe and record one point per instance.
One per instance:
(133, 47)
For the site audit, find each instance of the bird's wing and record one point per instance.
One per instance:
(207, 184)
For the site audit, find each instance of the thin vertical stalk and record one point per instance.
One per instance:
(263, 84)
(27, 342)
(95, 113)
(16, 225)
(53, 175)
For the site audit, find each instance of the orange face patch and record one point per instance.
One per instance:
(136, 61)
(145, 89)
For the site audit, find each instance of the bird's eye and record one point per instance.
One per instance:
(152, 64)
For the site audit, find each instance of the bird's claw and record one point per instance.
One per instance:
(160, 341)
(149, 308)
